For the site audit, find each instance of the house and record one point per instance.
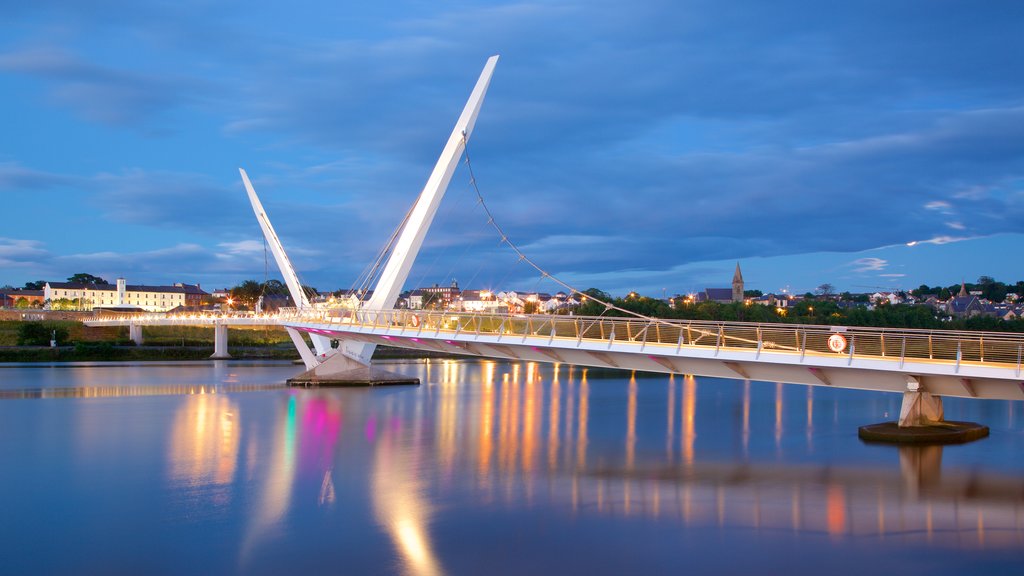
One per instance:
(436, 296)
(22, 299)
(965, 307)
(886, 297)
(483, 301)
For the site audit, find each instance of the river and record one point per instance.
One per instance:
(487, 468)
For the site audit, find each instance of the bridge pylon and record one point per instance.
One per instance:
(349, 364)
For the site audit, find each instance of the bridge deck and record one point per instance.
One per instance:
(949, 363)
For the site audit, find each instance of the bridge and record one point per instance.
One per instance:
(923, 365)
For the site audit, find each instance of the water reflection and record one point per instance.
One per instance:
(133, 390)
(275, 495)
(720, 454)
(401, 505)
(831, 498)
(204, 441)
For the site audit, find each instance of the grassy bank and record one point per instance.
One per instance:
(77, 343)
(152, 335)
(106, 352)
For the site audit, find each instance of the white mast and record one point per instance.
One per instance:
(396, 271)
(291, 278)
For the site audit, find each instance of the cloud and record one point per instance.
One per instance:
(615, 137)
(99, 93)
(21, 252)
(248, 247)
(172, 199)
(869, 264)
(183, 262)
(16, 178)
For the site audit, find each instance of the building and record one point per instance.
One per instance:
(481, 301)
(737, 284)
(78, 296)
(965, 305)
(21, 298)
(724, 295)
(436, 297)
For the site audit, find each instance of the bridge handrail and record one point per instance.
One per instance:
(944, 346)
(940, 346)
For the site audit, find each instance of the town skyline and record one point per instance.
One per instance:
(86, 279)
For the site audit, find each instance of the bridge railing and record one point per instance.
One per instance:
(943, 346)
(182, 317)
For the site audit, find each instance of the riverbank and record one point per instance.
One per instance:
(85, 352)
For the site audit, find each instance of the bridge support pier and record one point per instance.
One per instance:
(340, 370)
(920, 408)
(921, 422)
(220, 341)
(135, 333)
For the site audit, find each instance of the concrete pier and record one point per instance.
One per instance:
(341, 371)
(922, 422)
(220, 341)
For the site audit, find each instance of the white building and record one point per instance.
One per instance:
(80, 296)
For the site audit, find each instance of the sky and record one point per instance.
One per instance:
(647, 145)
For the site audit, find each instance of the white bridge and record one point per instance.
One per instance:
(924, 365)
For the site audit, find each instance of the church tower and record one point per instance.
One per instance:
(737, 285)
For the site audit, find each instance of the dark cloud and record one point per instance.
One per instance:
(616, 137)
(98, 93)
(16, 178)
(187, 202)
(15, 252)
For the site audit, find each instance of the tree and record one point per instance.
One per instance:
(431, 300)
(83, 278)
(825, 290)
(588, 302)
(37, 285)
(247, 292)
(63, 304)
(39, 334)
(275, 288)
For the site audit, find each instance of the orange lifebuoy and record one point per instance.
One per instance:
(415, 321)
(837, 342)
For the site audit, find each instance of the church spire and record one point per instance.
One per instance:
(737, 285)
(963, 290)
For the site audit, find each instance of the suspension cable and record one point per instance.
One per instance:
(524, 258)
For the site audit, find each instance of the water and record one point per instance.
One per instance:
(487, 468)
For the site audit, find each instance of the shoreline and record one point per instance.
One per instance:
(92, 352)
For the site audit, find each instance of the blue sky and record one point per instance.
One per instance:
(641, 146)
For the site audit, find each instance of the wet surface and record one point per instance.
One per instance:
(488, 467)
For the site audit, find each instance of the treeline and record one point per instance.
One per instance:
(990, 288)
(808, 311)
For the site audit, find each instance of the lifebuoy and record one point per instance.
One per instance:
(415, 321)
(837, 342)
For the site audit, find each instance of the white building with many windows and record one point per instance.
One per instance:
(77, 296)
